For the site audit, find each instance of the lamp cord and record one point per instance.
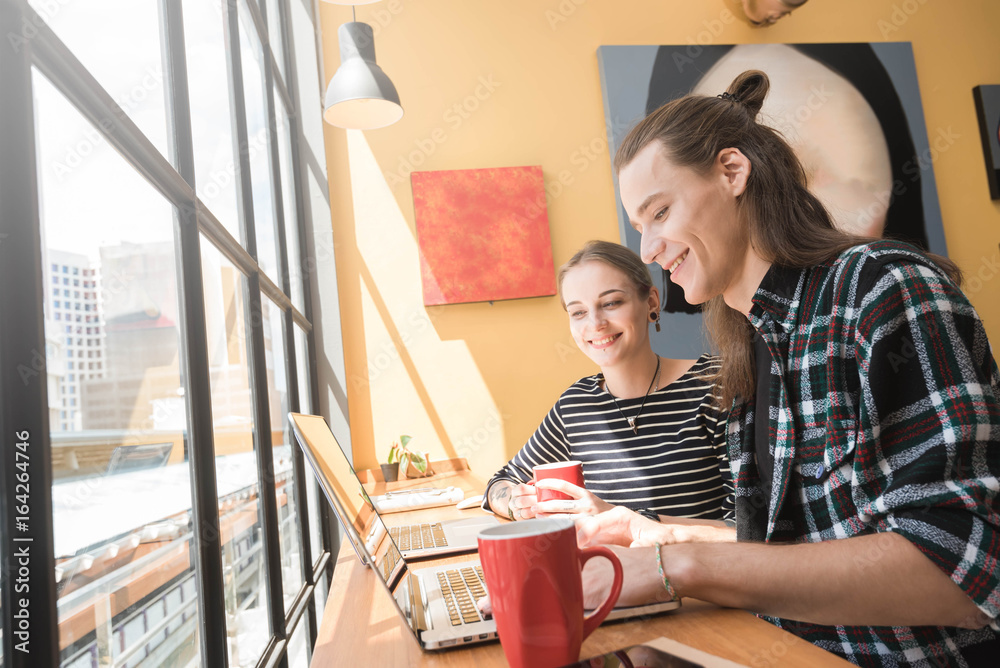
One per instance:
(354, 14)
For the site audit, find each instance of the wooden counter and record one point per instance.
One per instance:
(362, 627)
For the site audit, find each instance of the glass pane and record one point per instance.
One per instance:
(98, 33)
(302, 370)
(320, 597)
(319, 203)
(308, 77)
(258, 143)
(237, 473)
(121, 493)
(281, 440)
(288, 202)
(211, 125)
(305, 406)
(274, 35)
(298, 649)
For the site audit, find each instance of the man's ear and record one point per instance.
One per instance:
(734, 167)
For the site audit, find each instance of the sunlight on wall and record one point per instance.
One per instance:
(419, 384)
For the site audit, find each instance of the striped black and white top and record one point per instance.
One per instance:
(676, 465)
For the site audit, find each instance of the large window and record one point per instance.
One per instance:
(157, 161)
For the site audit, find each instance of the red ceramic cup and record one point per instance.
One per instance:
(571, 471)
(532, 570)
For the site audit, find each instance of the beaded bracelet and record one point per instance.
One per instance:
(666, 582)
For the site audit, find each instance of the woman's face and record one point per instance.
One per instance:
(608, 319)
(688, 222)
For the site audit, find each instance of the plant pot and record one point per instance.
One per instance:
(390, 472)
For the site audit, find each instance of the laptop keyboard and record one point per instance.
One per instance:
(461, 589)
(389, 562)
(418, 536)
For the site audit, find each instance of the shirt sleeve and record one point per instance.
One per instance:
(546, 446)
(927, 451)
(721, 445)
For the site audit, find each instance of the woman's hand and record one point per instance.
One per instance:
(522, 501)
(582, 503)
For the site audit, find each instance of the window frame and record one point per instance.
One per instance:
(25, 406)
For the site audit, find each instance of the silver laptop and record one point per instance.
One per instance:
(438, 603)
(346, 494)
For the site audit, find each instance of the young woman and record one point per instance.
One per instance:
(649, 434)
(865, 422)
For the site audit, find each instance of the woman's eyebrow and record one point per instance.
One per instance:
(606, 292)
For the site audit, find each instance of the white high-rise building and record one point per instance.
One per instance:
(73, 317)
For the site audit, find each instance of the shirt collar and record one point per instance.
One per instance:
(777, 298)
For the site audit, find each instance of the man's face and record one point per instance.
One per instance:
(766, 12)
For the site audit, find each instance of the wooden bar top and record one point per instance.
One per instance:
(362, 627)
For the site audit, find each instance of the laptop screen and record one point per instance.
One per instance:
(345, 492)
(362, 524)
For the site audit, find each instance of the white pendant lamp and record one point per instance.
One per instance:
(360, 95)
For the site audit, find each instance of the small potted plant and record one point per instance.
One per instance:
(410, 464)
(390, 471)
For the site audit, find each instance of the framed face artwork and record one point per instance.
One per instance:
(988, 110)
(851, 112)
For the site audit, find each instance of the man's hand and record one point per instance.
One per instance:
(621, 526)
(624, 527)
(641, 582)
(582, 503)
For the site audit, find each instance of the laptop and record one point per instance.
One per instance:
(346, 494)
(437, 603)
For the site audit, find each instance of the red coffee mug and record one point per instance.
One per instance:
(532, 570)
(571, 471)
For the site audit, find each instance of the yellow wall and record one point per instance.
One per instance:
(474, 380)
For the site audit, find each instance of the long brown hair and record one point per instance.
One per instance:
(787, 224)
(620, 257)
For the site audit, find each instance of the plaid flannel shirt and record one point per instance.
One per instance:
(884, 417)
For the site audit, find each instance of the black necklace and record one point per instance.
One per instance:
(652, 383)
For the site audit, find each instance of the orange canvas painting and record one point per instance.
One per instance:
(483, 234)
